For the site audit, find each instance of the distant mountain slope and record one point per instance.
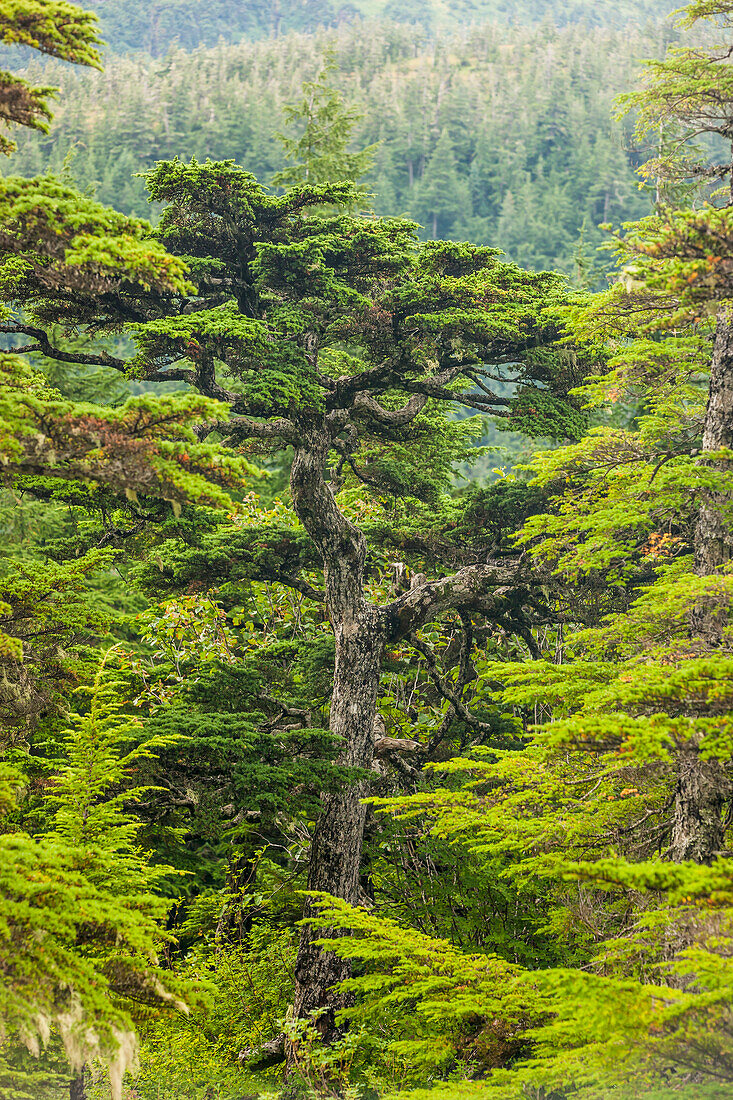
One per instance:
(154, 25)
(498, 134)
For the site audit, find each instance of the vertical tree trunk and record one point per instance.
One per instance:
(336, 851)
(78, 1086)
(360, 634)
(714, 531)
(697, 826)
(703, 786)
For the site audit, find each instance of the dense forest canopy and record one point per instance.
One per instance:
(154, 27)
(500, 135)
(331, 764)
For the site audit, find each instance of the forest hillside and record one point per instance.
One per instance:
(154, 27)
(494, 133)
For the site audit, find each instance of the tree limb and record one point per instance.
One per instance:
(447, 691)
(45, 347)
(246, 427)
(393, 418)
(469, 588)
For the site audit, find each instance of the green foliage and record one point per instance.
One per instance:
(141, 446)
(247, 989)
(426, 989)
(525, 181)
(22, 1077)
(689, 92)
(130, 24)
(627, 695)
(80, 916)
(104, 256)
(47, 617)
(320, 154)
(279, 291)
(442, 196)
(576, 812)
(56, 28)
(304, 274)
(538, 414)
(523, 927)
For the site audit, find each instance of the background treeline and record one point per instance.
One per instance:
(497, 134)
(154, 27)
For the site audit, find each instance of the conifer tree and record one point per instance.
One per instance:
(53, 27)
(80, 927)
(682, 255)
(80, 916)
(320, 154)
(625, 792)
(278, 296)
(441, 196)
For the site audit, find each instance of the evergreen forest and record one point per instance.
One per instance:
(366, 457)
(499, 133)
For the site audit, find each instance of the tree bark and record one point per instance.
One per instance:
(714, 532)
(697, 826)
(360, 631)
(78, 1086)
(703, 785)
(337, 842)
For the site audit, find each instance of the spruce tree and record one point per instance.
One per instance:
(693, 88)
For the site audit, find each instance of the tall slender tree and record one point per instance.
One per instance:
(684, 254)
(320, 152)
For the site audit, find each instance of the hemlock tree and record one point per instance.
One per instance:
(589, 811)
(81, 906)
(681, 256)
(110, 255)
(339, 340)
(320, 154)
(626, 791)
(53, 27)
(80, 911)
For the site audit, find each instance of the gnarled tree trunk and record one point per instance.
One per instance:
(702, 785)
(360, 633)
(337, 842)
